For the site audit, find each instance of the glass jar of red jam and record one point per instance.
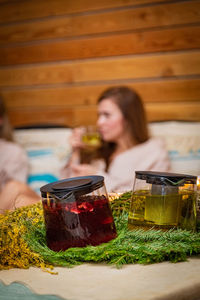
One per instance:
(77, 213)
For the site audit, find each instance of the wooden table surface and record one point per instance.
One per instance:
(163, 281)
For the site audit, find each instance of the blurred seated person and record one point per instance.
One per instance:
(14, 192)
(125, 142)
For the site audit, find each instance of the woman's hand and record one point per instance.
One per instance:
(76, 138)
(83, 170)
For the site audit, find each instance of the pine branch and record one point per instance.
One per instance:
(23, 242)
(137, 246)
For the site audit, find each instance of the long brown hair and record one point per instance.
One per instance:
(5, 127)
(131, 106)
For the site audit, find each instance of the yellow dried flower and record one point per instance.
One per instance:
(14, 251)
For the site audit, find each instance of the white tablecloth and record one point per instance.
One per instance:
(166, 281)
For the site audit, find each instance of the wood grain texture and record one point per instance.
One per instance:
(115, 21)
(88, 116)
(42, 116)
(135, 67)
(119, 44)
(69, 97)
(56, 57)
(33, 9)
(67, 117)
(173, 111)
(6, 1)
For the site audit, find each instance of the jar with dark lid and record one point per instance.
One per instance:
(163, 200)
(77, 213)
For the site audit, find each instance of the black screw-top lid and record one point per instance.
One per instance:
(71, 184)
(78, 185)
(165, 178)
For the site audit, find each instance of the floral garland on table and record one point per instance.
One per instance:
(14, 249)
(22, 242)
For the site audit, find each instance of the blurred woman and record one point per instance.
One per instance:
(126, 144)
(13, 168)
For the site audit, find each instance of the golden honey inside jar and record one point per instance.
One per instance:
(163, 200)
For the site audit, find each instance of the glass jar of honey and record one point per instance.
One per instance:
(163, 200)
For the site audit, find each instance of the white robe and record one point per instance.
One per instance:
(13, 162)
(149, 156)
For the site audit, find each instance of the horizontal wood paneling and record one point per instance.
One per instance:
(24, 117)
(65, 117)
(6, 1)
(130, 19)
(120, 44)
(173, 111)
(32, 9)
(56, 57)
(136, 67)
(155, 112)
(88, 115)
(155, 91)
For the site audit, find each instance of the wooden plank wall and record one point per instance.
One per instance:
(56, 56)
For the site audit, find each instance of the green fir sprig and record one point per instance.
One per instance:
(136, 246)
(23, 242)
